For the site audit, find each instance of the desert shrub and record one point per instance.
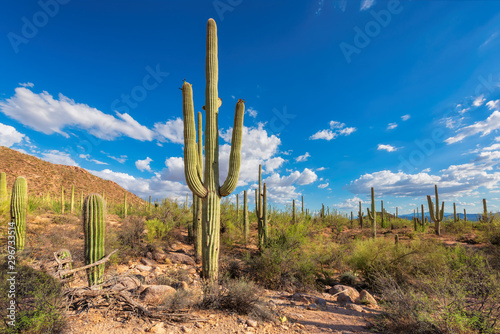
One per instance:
(348, 278)
(39, 302)
(129, 239)
(173, 277)
(157, 230)
(182, 300)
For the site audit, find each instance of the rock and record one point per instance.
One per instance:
(252, 323)
(158, 328)
(148, 262)
(366, 298)
(312, 307)
(181, 258)
(198, 325)
(349, 294)
(141, 267)
(354, 307)
(159, 257)
(127, 283)
(344, 298)
(156, 293)
(320, 301)
(301, 298)
(181, 286)
(149, 255)
(186, 329)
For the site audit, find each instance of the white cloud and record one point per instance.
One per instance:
(10, 136)
(172, 130)
(252, 112)
(366, 4)
(304, 157)
(322, 186)
(143, 165)
(493, 105)
(58, 157)
(405, 117)
(26, 84)
(143, 188)
(174, 170)
(320, 169)
(492, 123)
(45, 114)
(350, 204)
(388, 148)
(489, 40)
(121, 159)
(391, 126)
(336, 129)
(88, 158)
(479, 101)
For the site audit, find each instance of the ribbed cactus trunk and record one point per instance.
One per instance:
(125, 206)
(94, 228)
(454, 213)
(62, 200)
(81, 201)
(237, 207)
(397, 212)
(436, 214)
(422, 223)
(18, 210)
(197, 202)
(465, 215)
(261, 211)
(485, 218)
(372, 215)
(246, 229)
(3, 187)
(209, 189)
(360, 216)
(382, 213)
(302, 205)
(294, 217)
(72, 204)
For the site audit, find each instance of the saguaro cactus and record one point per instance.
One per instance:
(18, 208)
(237, 207)
(209, 189)
(197, 202)
(382, 214)
(372, 215)
(294, 216)
(360, 216)
(72, 205)
(465, 215)
(302, 205)
(125, 206)
(62, 200)
(422, 223)
(485, 217)
(94, 228)
(436, 215)
(246, 229)
(261, 211)
(3, 186)
(454, 212)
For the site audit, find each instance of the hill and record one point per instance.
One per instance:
(44, 177)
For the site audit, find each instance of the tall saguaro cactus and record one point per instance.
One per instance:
(208, 189)
(72, 205)
(294, 216)
(360, 216)
(62, 200)
(485, 217)
(454, 213)
(18, 210)
(261, 211)
(372, 215)
(197, 202)
(3, 186)
(94, 228)
(246, 229)
(436, 214)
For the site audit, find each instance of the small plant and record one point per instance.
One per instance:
(348, 278)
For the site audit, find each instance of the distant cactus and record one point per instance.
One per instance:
(436, 214)
(360, 216)
(237, 207)
(246, 229)
(485, 217)
(294, 216)
(125, 206)
(72, 204)
(302, 205)
(454, 213)
(372, 215)
(3, 187)
(94, 228)
(465, 215)
(422, 222)
(18, 210)
(62, 199)
(261, 212)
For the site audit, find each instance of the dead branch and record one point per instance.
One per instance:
(63, 273)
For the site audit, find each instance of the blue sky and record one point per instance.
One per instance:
(340, 95)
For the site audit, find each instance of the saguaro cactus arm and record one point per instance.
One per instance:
(235, 155)
(431, 208)
(191, 164)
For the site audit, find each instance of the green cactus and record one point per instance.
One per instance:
(382, 214)
(3, 187)
(360, 216)
(125, 206)
(422, 223)
(18, 210)
(372, 215)
(294, 217)
(94, 228)
(246, 227)
(237, 207)
(454, 213)
(62, 200)
(436, 215)
(465, 215)
(485, 217)
(81, 201)
(190, 238)
(302, 205)
(397, 212)
(197, 201)
(72, 204)
(261, 212)
(209, 189)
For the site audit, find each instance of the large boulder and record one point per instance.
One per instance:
(365, 298)
(345, 294)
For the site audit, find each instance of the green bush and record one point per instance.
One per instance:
(157, 230)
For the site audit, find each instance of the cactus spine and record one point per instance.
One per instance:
(246, 228)
(3, 187)
(94, 228)
(209, 189)
(62, 199)
(372, 215)
(72, 205)
(18, 210)
(261, 211)
(436, 215)
(485, 218)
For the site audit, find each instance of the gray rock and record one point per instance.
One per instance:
(312, 307)
(181, 258)
(354, 307)
(156, 293)
(366, 298)
(141, 267)
(148, 262)
(345, 294)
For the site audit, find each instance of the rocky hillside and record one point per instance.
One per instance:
(46, 177)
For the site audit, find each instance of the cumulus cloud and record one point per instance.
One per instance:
(303, 157)
(58, 157)
(143, 165)
(172, 130)
(174, 170)
(252, 112)
(493, 105)
(388, 148)
(405, 117)
(336, 129)
(350, 204)
(88, 158)
(10, 136)
(322, 186)
(392, 126)
(43, 113)
(478, 101)
(492, 123)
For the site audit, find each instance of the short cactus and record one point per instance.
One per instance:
(454, 213)
(94, 228)
(18, 210)
(436, 214)
(372, 215)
